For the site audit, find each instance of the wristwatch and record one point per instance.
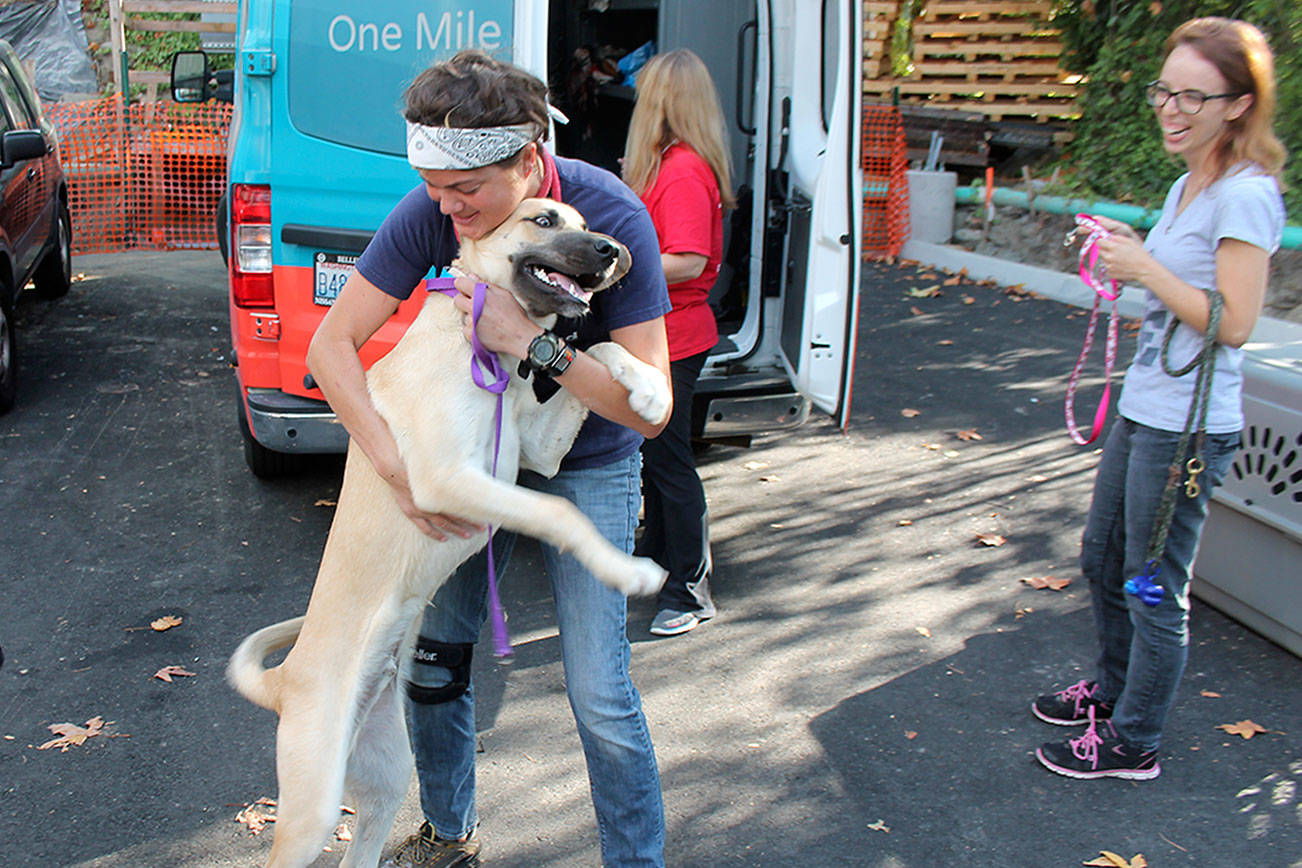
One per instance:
(549, 355)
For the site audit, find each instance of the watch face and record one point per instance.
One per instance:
(543, 350)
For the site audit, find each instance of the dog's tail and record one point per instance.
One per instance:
(246, 673)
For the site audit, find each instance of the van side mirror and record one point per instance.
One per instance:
(19, 145)
(190, 77)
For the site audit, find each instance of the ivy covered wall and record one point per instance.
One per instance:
(1117, 45)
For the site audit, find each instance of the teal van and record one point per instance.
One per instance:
(317, 159)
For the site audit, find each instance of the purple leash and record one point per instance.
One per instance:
(481, 361)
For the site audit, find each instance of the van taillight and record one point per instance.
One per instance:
(251, 281)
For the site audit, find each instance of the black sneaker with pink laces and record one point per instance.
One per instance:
(1070, 706)
(1099, 753)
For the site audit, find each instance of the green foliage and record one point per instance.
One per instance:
(1117, 46)
(146, 50)
(902, 39)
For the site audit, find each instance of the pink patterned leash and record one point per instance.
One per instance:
(483, 360)
(1088, 268)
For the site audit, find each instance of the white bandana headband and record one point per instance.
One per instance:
(460, 148)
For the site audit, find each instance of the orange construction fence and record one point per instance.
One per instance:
(885, 182)
(142, 177)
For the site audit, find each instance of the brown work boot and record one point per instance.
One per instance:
(426, 850)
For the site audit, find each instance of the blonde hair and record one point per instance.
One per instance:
(676, 102)
(1241, 54)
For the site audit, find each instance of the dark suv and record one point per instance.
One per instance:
(35, 227)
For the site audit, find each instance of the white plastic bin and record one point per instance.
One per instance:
(931, 205)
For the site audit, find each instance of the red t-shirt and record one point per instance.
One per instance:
(688, 216)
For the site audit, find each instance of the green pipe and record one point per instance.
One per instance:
(1134, 215)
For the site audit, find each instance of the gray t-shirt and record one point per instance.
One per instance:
(1245, 205)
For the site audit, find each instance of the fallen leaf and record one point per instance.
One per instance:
(1021, 612)
(924, 631)
(71, 735)
(343, 833)
(927, 275)
(1047, 582)
(325, 502)
(166, 622)
(905, 522)
(909, 412)
(945, 343)
(880, 826)
(916, 311)
(1108, 859)
(755, 465)
(969, 434)
(1039, 477)
(967, 299)
(925, 292)
(166, 673)
(1210, 694)
(255, 818)
(991, 539)
(1245, 728)
(953, 281)
(910, 734)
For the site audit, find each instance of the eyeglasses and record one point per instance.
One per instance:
(1189, 102)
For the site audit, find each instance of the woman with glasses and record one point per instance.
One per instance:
(1220, 224)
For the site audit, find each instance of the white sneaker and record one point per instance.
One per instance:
(667, 622)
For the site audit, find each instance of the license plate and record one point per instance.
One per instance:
(329, 273)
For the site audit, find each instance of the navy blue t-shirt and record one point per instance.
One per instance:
(416, 237)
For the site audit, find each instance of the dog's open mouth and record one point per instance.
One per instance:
(574, 286)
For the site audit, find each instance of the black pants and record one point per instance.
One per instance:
(677, 531)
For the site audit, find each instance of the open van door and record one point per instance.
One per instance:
(819, 152)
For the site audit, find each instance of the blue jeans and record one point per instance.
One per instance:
(622, 770)
(1143, 648)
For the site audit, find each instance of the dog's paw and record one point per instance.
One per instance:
(648, 392)
(648, 400)
(632, 577)
(645, 578)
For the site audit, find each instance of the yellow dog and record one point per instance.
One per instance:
(342, 732)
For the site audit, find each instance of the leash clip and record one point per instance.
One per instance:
(1195, 466)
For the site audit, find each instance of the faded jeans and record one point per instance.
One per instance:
(622, 770)
(1143, 649)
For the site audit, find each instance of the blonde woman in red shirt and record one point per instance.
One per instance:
(677, 162)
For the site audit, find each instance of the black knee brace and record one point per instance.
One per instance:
(453, 657)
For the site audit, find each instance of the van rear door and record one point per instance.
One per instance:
(338, 74)
(820, 284)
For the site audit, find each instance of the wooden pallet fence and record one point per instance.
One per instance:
(997, 57)
(879, 17)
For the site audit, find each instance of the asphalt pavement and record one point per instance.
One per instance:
(862, 699)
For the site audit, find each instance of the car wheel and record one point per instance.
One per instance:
(8, 352)
(266, 463)
(53, 276)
